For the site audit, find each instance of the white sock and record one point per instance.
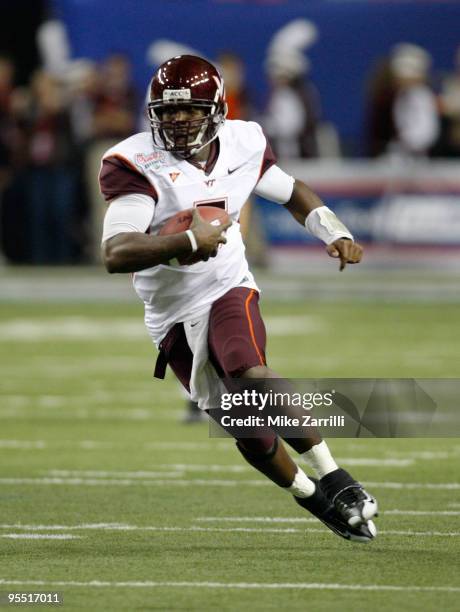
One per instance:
(302, 486)
(320, 459)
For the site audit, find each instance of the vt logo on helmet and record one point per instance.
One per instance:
(187, 105)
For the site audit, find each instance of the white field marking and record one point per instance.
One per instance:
(91, 409)
(114, 360)
(140, 414)
(40, 536)
(423, 512)
(23, 444)
(99, 396)
(42, 444)
(127, 329)
(62, 369)
(414, 485)
(191, 482)
(289, 519)
(101, 444)
(428, 455)
(191, 446)
(131, 414)
(298, 325)
(93, 444)
(374, 462)
(72, 328)
(123, 527)
(109, 474)
(128, 482)
(279, 530)
(311, 586)
(398, 532)
(99, 414)
(84, 526)
(254, 519)
(195, 467)
(203, 467)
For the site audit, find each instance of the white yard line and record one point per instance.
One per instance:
(129, 482)
(447, 486)
(97, 414)
(40, 536)
(211, 467)
(110, 474)
(43, 444)
(23, 444)
(192, 446)
(170, 468)
(413, 485)
(128, 329)
(83, 526)
(72, 328)
(374, 462)
(420, 533)
(423, 512)
(279, 530)
(355, 461)
(189, 467)
(427, 455)
(233, 585)
(289, 519)
(293, 326)
(98, 396)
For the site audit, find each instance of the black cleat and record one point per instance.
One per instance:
(319, 505)
(351, 501)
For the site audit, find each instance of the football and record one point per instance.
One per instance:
(182, 220)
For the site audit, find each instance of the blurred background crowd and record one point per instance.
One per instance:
(60, 112)
(48, 128)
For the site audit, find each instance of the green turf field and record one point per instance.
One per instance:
(107, 498)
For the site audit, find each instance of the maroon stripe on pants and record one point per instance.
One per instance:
(236, 336)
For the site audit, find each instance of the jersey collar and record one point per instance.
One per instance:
(212, 158)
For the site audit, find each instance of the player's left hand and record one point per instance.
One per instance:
(347, 250)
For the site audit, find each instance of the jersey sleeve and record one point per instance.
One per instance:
(118, 178)
(128, 213)
(275, 185)
(268, 160)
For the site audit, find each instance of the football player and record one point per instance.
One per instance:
(205, 318)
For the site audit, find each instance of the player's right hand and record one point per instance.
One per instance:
(208, 237)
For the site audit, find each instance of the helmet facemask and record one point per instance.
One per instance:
(185, 138)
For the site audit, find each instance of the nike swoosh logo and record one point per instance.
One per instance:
(194, 324)
(232, 170)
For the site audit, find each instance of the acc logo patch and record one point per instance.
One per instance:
(147, 161)
(176, 94)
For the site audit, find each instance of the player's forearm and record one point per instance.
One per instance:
(310, 211)
(132, 251)
(303, 200)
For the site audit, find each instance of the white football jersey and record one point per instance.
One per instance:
(173, 293)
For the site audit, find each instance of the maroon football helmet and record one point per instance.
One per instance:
(192, 82)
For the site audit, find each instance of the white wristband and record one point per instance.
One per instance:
(324, 224)
(193, 242)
